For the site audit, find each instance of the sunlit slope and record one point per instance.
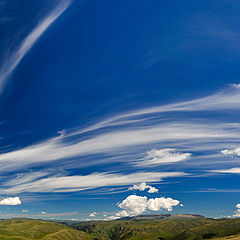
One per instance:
(166, 229)
(25, 229)
(217, 228)
(139, 230)
(233, 237)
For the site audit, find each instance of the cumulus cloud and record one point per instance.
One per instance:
(142, 187)
(235, 151)
(135, 205)
(93, 214)
(237, 212)
(11, 201)
(152, 189)
(25, 210)
(166, 155)
(157, 204)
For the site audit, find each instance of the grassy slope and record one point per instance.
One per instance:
(26, 229)
(166, 229)
(233, 237)
(181, 229)
(139, 229)
(218, 228)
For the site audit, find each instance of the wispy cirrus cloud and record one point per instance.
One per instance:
(230, 170)
(227, 98)
(84, 182)
(128, 136)
(116, 141)
(12, 61)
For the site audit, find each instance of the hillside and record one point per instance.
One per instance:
(180, 227)
(141, 229)
(233, 237)
(27, 229)
(163, 229)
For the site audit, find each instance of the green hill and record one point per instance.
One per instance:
(233, 237)
(163, 229)
(218, 228)
(141, 229)
(180, 228)
(27, 229)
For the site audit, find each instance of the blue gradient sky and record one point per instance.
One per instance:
(96, 96)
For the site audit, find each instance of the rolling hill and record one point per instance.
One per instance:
(233, 237)
(28, 229)
(180, 228)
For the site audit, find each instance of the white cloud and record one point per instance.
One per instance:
(192, 133)
(235, 151)
(93, 214)
(117, 141)
(11, 201)
(126, 144)
(227, 98)
(44, 213)
(135, 205)
(152, 189)
(231, 170)
(142, 187)
(157, 204)
(12, 62)
(237, 212)
(167, 155)
(25, 210)
(91, 181)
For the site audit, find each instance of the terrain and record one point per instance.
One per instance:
(173, 227)
(145, 227)
(28, 229)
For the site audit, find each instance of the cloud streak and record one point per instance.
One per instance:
(116, 141)
(110, 141)
(12, 61)
(84, 182)
(130, 138)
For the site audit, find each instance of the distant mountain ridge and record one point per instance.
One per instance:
(162, 216)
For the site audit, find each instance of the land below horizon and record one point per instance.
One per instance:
(142, 227)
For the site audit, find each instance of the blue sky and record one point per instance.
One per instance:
(99, 96)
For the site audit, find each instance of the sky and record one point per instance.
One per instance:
(119, 108)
